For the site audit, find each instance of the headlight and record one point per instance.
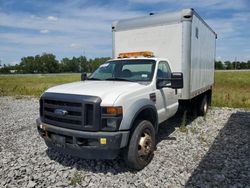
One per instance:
(111, 118)
(111, 123)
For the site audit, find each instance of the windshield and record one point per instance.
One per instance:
(125, 70)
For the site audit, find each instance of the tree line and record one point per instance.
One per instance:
(47, 63)
(228, 65)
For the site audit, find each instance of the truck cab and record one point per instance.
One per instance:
(116, 109)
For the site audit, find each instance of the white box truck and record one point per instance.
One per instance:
(159, 62)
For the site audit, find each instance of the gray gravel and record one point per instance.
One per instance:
(208, 152)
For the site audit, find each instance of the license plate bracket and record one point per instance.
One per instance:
(58, 140)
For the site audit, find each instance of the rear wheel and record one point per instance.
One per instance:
(203, 106)
(141, 147)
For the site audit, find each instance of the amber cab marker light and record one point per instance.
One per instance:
(136, 54)
(114, 110)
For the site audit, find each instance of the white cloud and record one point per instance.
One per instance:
(215, 4)
(75, 45)
(232, 27)
(14, 62)
(44, 31)
(77, 27)
(209, 4)
(52, 18)
(223, 27)
(77, 31)
(91, 19)
(151, 1)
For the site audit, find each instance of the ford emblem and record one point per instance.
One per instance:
(61, 112)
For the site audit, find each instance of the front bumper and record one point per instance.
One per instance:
(83, 144)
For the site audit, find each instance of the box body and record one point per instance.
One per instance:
(182, 38)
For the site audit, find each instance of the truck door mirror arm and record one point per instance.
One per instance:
(176, 81)
(84, 76)
(160, 83)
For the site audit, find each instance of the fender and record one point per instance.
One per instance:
(130, 116)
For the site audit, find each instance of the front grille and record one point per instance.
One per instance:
(71, 111)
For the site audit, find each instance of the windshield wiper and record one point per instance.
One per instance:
(93, 79)
(119, 79)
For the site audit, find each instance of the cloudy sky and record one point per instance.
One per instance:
(69, 28)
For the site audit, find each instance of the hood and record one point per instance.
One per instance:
(108, 91)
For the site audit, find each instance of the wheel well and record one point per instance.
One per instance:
(199, 98)
(209, 97)
(191, 104)
(147, 114)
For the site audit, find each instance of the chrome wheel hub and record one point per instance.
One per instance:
(205, 107)
(145, 145)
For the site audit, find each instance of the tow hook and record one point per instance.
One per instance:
(44, 132)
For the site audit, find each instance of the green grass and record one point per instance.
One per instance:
(232, 89)
(183, 127)
(32, 85)
(76, 179)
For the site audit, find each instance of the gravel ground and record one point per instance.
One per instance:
(208, 152)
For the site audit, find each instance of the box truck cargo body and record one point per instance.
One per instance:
(182, 38)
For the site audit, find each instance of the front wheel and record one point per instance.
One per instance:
(141, 146)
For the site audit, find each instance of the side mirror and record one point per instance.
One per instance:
(84, 76)
(176, 80)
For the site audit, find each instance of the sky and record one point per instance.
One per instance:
(70, 28)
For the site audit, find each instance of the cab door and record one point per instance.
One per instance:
(166, 98)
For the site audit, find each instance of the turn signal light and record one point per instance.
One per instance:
(114, 110)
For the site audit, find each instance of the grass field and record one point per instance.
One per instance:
(32, 85)
(231, 89)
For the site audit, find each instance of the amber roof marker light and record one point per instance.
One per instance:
(136, 54)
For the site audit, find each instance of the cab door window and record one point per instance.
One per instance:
(164, 71)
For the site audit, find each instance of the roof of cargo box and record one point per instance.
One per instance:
(156, 20)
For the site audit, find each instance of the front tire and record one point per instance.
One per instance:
(140, 150)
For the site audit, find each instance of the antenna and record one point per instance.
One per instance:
(235, 62)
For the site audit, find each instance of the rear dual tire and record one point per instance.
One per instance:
(203, 106)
